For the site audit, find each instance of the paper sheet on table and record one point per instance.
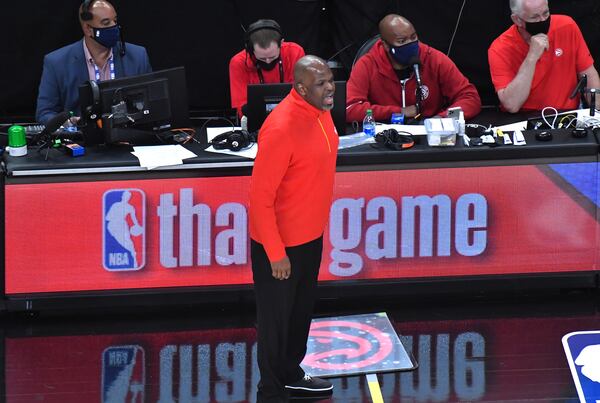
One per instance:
(513, 126)
(158, 156)
(249, 152)
(415, 130)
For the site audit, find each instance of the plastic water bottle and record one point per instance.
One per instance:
(369, 124)
(244, 123)
(461, 124)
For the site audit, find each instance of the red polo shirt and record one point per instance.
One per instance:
(556, 71)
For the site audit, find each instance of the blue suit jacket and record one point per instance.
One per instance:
(65, 70)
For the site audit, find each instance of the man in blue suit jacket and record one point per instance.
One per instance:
(100, 55)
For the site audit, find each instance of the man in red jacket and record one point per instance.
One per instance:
(267, 58)
(384, 79)
(290, 198)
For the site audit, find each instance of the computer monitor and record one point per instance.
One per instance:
(262, 98)
(134, 108)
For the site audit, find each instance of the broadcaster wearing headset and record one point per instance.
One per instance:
(100, 55)
(266, 58)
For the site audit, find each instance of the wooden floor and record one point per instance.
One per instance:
(489, 349)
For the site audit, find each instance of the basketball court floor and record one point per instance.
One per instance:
(490, 348)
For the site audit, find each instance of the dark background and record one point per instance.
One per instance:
(202, 36)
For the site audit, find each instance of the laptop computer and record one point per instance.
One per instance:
(263, 98)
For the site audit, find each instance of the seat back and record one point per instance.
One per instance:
(365, 48)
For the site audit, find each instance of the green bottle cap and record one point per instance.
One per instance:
(16, 136)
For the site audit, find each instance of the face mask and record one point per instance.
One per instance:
(540, 27)
(107, 37)
(267, 66)
(403, 54)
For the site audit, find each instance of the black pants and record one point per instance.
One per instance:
(284, 310)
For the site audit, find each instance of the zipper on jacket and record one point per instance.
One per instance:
(403, 85)
(324, 134)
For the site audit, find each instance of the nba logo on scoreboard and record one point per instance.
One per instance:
(123, 229)
(583, 354)
(123, 374)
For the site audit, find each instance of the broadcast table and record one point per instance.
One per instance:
(101, 230)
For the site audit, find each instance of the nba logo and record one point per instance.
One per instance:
(123, 374)
(583, 353)
(123, 229)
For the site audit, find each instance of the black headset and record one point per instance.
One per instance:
(235, 140)
(94, 109)
(395, 140)
(257, 26)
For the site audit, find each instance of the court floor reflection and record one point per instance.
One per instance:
(471, 351)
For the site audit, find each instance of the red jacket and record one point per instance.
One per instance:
(292, 179)
(374, 85)
(242, 71)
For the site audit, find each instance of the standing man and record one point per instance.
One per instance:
(100, 55)
(290, 198)
(267, 58)
(539, 59)
(384, 80)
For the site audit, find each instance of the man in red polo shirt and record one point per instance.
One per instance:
(267, 58)
(290, 198)
(538, 60)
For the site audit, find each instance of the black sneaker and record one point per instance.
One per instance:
(311, 384)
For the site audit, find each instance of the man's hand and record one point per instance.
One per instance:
(537, 45)
(410, 111)
(281, 269)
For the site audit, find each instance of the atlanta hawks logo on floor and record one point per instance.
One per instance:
(354, 344)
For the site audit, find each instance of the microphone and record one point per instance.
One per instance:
(415, 62)
(56, 122)
(53, 125)
(340, 51)
(581, 84)
(122, 42)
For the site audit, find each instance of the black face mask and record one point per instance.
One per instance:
(267, 66)
(540, 27)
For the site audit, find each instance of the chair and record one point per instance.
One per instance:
(365, 48)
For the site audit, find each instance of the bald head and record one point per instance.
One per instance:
(394, 26)
(98, 15)
(98, 7)
(519, 7)
(307, 66)
(313, 80)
